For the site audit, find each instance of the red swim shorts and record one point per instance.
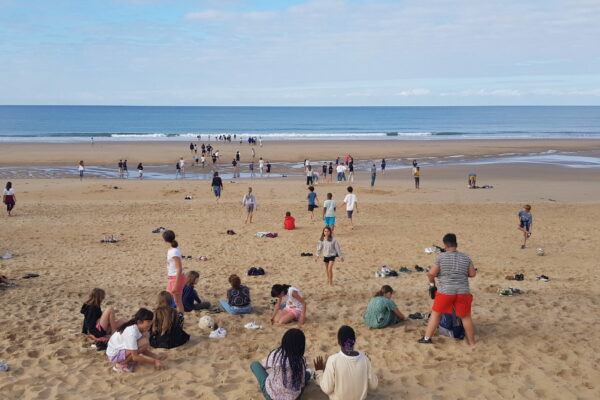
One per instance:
(444, 303)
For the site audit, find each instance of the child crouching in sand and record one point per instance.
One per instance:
(130, 343)
(97, 323)
(295, 306)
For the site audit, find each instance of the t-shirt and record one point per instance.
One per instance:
(329, 206)
(238, 297)
(249, 199)
(380, 312)
(312, 196)
(350, 200)
(373, 171)
(181, 163)
(217, 181)
(417, 173)
(525, 217)
(9, 192)
(289, 223)
(80, 167)
(291, 301)
(274, 383)
(347, 377)
(340, 168)
(171, 268)
(454, 272)
(123, 341)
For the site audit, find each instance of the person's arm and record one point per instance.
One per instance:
(433, 273)
(316, 200)
(319, 249)
(324, 209)
(356, 206)
(373, 381)
(179, 268)
(195, 296)
(472, 271)
(325, 379)
(399, 314)
(151, 358)
(338, 249)
(301, 300)
(276, 309)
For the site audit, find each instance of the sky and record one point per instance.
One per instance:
(300, 53)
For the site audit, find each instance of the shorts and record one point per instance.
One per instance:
(250, 207)
(417, 180)
(525, 225)
(100, 329)
(119, 357)
(294, 311)
(311, 207)
(444, 303)
(172, 281)
(349, 212)
(329, 221)
(329, 259)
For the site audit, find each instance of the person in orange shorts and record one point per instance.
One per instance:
(453, 270)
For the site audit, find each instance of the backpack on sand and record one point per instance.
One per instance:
(451, 326)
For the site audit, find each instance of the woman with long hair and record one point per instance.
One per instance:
(176, 276)
(382, 311)
(330, 248)
(287, 373)
(167, 325)
(97, 323)
(348, 374)
(9, 198)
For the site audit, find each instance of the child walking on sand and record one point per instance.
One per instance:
(130, 344)
(176, 276)
(289, 223)
(249, 201)
(313, 201)
(525, 223)
(81, 168)
(9, 198)
(351, 204)
(417, 176)
(346, 375)
(329, 207)
(330, 248)
(286, 366)
(295, 306)
(100, 324)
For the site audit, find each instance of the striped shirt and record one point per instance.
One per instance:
(454, 272)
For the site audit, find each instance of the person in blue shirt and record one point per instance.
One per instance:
(190, 298)
(525, 223)
(313, 201)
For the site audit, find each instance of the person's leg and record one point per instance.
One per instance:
(434, 321)
(109, 322)
(330, 273)
(250, 214)
(205, 305)
(467, 322)
(225, 305)
(261, 376)
(284, 317)
(178, 302)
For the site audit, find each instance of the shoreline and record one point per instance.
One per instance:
(168, 152)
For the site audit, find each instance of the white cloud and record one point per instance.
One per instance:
(413, 92)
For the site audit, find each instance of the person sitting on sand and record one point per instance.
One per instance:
(238, 297)
(167, 326)
(289, 223)
(346, 375)
(130, 343)
(382, 311)
(287, 374)
(453, 270)
(100, 325)
(295, 306)
(189, 297)
(525, 223)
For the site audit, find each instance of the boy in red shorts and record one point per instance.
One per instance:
(453, 270)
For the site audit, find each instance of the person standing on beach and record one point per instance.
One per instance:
(351, 205)
(140, 169)
(177, 170)
(203, 160)
(251, 167)
(9, 198)
(268, 169)
(249, 201)
(330, 172)
(453, 270)
(192, 148)
(176, 276)
(81, 168)
(92, 141)
(125, 171)
(234, 164)
(195, 148)
(330, 248)
(120, 165)
(253, 153)
(182, 167)
(351, 171)
(417, 176)
(383, 164)
(217, 185)
(261, 166)
(237, 156)
(329, 207)
(340, 173)
(525, 223)
(309, 175)
(373, 174)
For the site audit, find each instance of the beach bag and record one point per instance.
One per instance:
(451, 326)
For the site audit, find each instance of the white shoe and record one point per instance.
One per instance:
(218, 333)
(252, 325)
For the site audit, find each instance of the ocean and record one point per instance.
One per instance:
(129, 123)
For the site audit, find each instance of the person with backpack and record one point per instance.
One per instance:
(452, 270)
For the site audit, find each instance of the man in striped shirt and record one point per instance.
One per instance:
(453, 270)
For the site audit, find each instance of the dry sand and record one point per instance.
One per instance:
(540, 344)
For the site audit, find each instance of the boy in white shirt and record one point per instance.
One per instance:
(351, 205)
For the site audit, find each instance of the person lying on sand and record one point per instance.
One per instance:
(346, 375)
(382, 311)
(295, 306)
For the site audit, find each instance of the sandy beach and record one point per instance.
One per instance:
(537, 345)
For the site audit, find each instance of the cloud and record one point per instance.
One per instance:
(413, 92)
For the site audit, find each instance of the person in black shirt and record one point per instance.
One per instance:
(217, 185)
